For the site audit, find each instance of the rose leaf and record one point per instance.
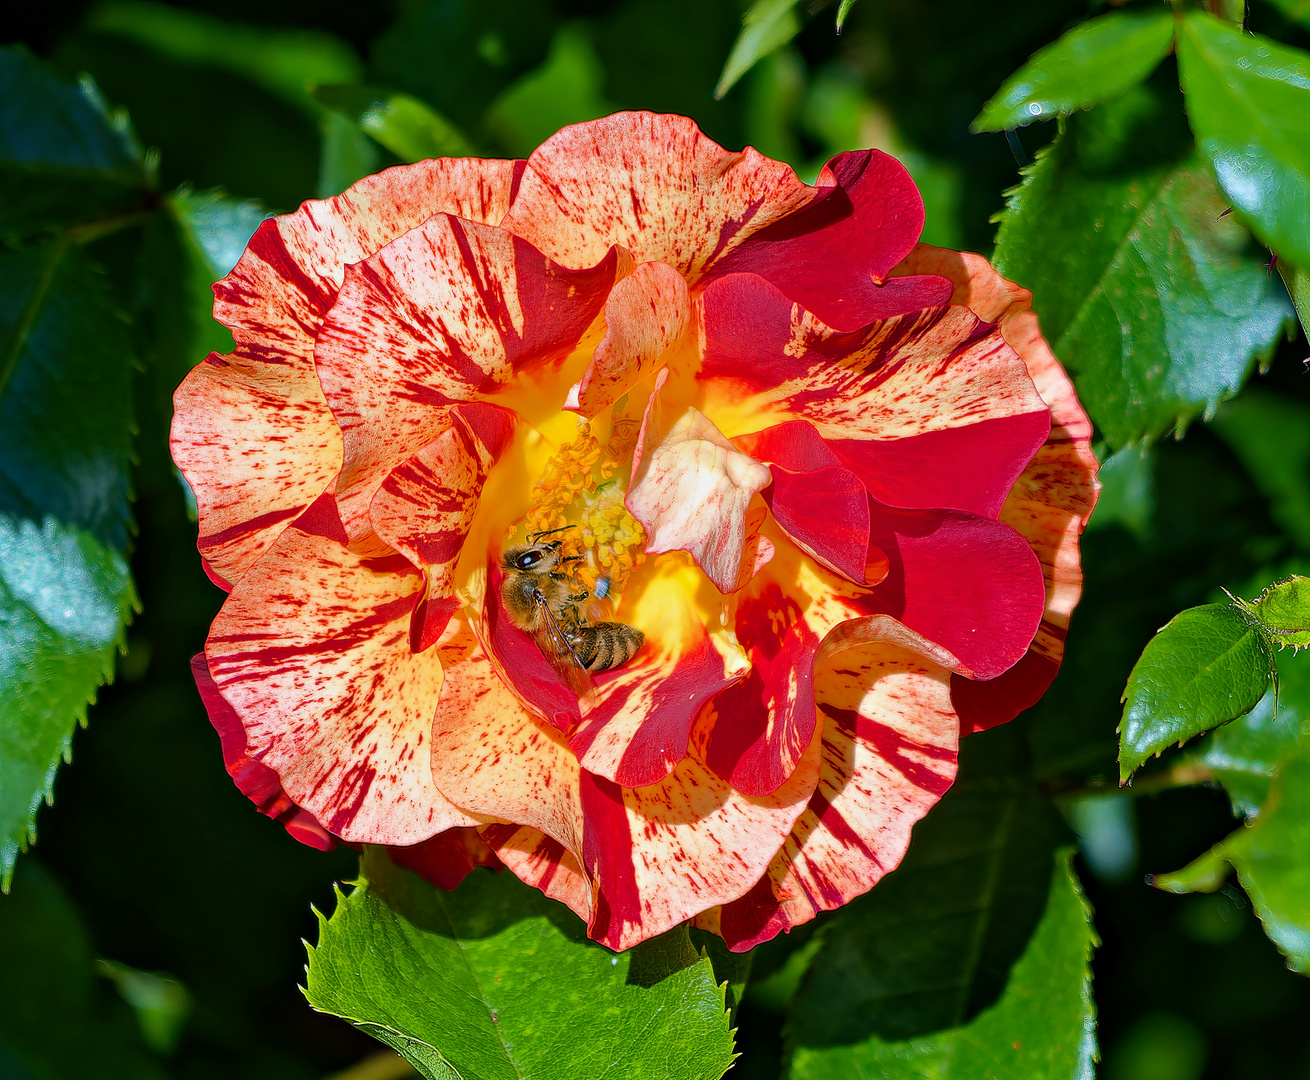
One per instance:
(1094, 62)
(1208, 665)
(1249, 102)
(1155, 300)
(766, 27)
(481, 982)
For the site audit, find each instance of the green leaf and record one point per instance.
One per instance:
(64, 159)
(1042, 1027)
(287, 63)
(1155, 301)
(403, 124)
(347, 154)
(58, 1021)
(1127, 491)
(1297, 10)
(842, 12)
(1092, 63)
(494, 980)
(566, 89)
(1284, 610)
(1248, 98)
(1269, 857)
(1270, 434)
(767, 26)
(1208, 665)
(64, 602)
(1297, 281)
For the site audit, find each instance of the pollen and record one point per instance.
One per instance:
(584, 486)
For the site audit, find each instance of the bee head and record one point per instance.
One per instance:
(537, 557)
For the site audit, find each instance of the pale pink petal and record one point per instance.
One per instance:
(451, 312)
(691, 489)
(645, 315)
(653, 184)
(252, 432)
(889, 753)
(311, 650)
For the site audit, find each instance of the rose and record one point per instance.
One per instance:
(835, 478)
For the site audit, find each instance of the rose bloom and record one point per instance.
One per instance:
(835, 478)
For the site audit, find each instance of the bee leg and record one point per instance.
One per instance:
(580, 596)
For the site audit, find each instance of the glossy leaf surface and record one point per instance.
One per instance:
(1209, 665)
(1094, 62)
(1248, 99)
(406, 126)
(486, 981)
(1156, 301)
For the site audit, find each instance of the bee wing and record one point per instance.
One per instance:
(555, 647)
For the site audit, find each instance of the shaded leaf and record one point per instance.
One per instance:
(1269, 857)
(287, 63)
(404, 125)
(1248, 99)
(1270, 434)
(1208, 665)
(1127, 491)
(1042, 1027)
(767, 26)
(486, 981)
(346, 155)
(1299, 10)
(1094, 62)
(1298, 287)
(64, 159)
(843, 10)
(566, 89)
(1155, 301)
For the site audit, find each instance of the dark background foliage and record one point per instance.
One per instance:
(152, 860)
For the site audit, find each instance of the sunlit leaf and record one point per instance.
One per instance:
(1042, 1026)
(1155, 300)
(1248, 99)
(1094, 62)
(1209, 665)
(767, 25)
(404, 125)
(495, 981)
(1297, 281)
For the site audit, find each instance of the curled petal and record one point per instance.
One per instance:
(450, 312)
(543, 863)
(645, 315)
(889, 753)
(252, 432)
(653, 184)
(834, 256)
(311, 650)
(255, 780)
(447, 858)
(691, 489)
(425, 505)
(660, 854)
(933, 409)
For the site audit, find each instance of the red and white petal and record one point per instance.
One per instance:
(255, 780)
(311, 650)
(425, 505)
(653, 184)
(491, 756)
(543, 863)
(446, 859)
(661, 854)
(252, 432)
(448, 313)
(933, 409)
(833, 257)
(889, 753)
(691, 489)
(645, 315)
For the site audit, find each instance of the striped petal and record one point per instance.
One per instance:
(889, 753)
(653, 184)
(451, 312)
(833, 257)
(1053, 497)
(933, 409)
(691, 489)
(311, 650)
(662, 854)
(252, 432)
(425, 505)
(543, 863)
(645, 315)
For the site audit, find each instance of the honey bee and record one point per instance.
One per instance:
(544, 601)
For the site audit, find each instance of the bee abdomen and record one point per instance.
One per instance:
(607, 645)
